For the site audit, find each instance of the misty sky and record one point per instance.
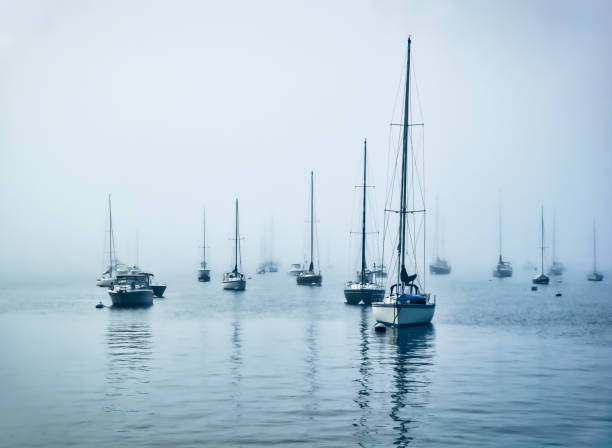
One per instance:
(172, 106)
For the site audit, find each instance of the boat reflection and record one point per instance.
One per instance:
(130, 352)
(363, 433)
(411, 377)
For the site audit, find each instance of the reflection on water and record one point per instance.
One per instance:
(236, 364)
(411, 371)
(130, 350)
(365, 373)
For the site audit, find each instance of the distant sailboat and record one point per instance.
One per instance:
(234, 280)
(309, 276)
(406, 304)
(364, 290)
(114, 267)
(541, 279)
(503, 268)
(556, 268)
(595, 276)
(440, 266)
(204, 271)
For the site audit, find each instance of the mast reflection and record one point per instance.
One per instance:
(363, 434)
(411, 370)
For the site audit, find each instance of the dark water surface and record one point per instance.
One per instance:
(281, 364)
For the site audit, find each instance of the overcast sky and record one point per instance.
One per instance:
(172, 106)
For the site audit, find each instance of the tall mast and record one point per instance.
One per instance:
(204, 238)
(554, 238)
(363, 222)
(500, 229)
(311, 221)
(110, 234)
(594, 249)
(236, 241)
(402, 229)
(542, 246)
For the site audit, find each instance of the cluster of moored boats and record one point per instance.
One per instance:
(405, 302)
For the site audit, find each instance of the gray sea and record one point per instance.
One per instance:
(279, 364)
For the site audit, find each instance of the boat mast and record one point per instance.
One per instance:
(204, 238)
(402, 227)
(594, 249)
(311, 221)
(363, 222)
(542, 246)
(500, 229)
(236, 241)
(554, 238)
(110, 235)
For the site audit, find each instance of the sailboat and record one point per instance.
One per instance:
(204, 271)
(556, 268)
(595, 276)
(365, 289)
(441, 265)
(309, 276)
(406, 304)
(503, 268)
(114, 267)
(234, 279)
(541, 279)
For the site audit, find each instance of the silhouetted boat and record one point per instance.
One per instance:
(364, 289)
(204, 271)
(405, 304)
(309, 276)
(595, 276)
(541, 279)
(234, 280)
(157, 287)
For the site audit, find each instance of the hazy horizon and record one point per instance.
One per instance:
(175, 107)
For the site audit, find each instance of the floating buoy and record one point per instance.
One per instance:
(380, 327)
(558, 294)
(100, 305)
(534, 288)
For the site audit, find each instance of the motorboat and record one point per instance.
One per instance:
(131, 290)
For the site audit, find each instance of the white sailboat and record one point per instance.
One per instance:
(406, 304)
(114, 267)
(235, 280)
(503, 268)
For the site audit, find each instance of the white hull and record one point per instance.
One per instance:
(235, 285)
(106, 282)
(399, 315)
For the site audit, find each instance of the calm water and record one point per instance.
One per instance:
(281, 365)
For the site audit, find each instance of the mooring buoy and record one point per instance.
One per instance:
(380, 327)
(534, 288)
(100, 305)
(558, 294)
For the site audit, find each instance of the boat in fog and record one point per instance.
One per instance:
(131, 290)
(556, 267)
(308, 276)
(235, 280)
(440, 266)
(158, 288)
(203, 271)
(364, 289)
(595, 276)
(114, 267)
(541, 278)
(503, 268)
(406, 304)
(295, 269)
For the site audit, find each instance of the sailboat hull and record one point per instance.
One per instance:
(158, 290)
(234, 285)
(501, 273)
(354, 296)
(204, 275)
(403, 315)
(540, 280)
(439, 270)
(595, 277)
(309, 279)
